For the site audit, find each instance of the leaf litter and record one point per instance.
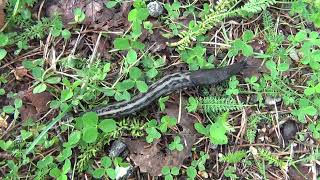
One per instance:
(151, 158)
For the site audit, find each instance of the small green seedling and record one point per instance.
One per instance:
(217, 130)
(176, 144)
(169, 173)
(106, 169)
(79, 15)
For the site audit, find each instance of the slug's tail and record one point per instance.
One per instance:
(213, 76)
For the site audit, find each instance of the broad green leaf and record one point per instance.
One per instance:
(66, 34)
(283, 67)
(98, 173)
(66, 166)
(191, 172)
(108, 125)
(111, 173)
(17, 103)
(142, 86)
(25, 134)
(135, 73)
(131, 56)
(90, 134)
(66, 94)
(310, 110)
(201, 129)
(309, 91)
(165, 170)
(125, 85)
(106, 162)
(39, 88)
(3, 40)
(2, 91)
(175, 171)
(53, 80)
(74, 137)
(90, 119)
(111, 4)
(3, 54)
(121, 43)
(247, 36)
(8, 109)
(5, 145)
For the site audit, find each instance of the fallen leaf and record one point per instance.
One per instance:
(2, 17)
(20, 72)
(29, 111)
(152, 158)
(34, 105)
(3, 121)
(302, 172)
(91, 11)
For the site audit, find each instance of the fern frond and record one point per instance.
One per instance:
(255, 6)
(219, 104)
(268, 23)
(271, 159)
(252, 126)
(233, 157)
(223, 10)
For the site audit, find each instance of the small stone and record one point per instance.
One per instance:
(289, 130)
(294, 55)
(155, 8)
(117, 148)
(123, 172)
(269, 100)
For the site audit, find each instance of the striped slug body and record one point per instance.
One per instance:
(168, 84)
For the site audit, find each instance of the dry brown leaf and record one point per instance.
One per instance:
(2, 18)
(3, 121)
(152, 158)
(28, 111)
(20, 72)
(91, 11)
(39, 101)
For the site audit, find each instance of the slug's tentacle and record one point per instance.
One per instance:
(168, 84)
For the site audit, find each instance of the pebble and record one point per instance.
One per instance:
(155, 8)
(289, 130)
(123, 172)
(117, 148)
(294, 55)
(269, 100)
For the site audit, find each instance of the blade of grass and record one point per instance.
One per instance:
(49, 126)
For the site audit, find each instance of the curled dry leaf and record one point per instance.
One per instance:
(152, 158)
(20, 72)
(3, 121)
